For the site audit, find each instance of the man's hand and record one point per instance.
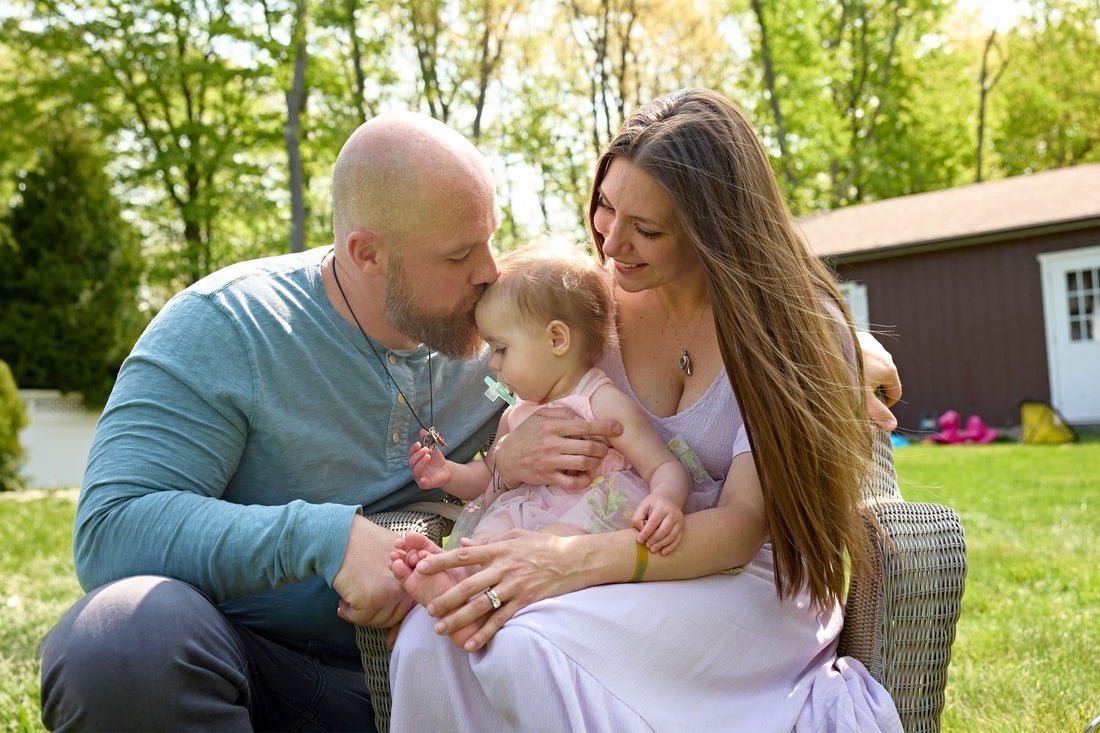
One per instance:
(369, 594)
(553, 447)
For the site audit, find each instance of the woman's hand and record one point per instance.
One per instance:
(553, 447)
(520, 566)
(880, 379)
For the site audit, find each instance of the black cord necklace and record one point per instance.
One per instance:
(433, 438)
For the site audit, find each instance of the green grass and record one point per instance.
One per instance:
(1025, 655)
(1028, 642)
(37, 584)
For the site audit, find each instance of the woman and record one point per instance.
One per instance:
(717, 296)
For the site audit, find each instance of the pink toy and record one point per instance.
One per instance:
(976, 431)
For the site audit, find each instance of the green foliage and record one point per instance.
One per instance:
(857, 101)
(1046, 101)
(185, 90)
(70, 266)
(848, 106)
(13, 417)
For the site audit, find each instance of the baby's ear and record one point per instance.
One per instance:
(560, 336)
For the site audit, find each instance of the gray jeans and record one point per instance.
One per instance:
(149, 653)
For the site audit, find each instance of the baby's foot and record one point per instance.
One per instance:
(423, 587)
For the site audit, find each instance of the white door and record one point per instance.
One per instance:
(1071, 311)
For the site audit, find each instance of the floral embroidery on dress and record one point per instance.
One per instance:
(607, 504)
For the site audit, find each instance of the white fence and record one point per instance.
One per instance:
(56, 439)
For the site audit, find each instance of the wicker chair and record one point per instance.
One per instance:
(899, 623)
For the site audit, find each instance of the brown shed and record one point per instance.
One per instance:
(986, 294)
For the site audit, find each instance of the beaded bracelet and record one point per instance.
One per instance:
(641, 563)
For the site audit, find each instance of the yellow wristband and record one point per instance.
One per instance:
(641, 563)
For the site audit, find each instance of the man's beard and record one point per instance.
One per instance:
(452, 334)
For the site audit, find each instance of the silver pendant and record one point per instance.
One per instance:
(432, 439)
(685, 362)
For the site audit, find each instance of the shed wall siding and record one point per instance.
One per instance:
(967, 325)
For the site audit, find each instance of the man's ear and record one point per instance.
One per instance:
(560, 336)
(366, 252)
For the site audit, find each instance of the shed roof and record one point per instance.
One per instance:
(1018, 206)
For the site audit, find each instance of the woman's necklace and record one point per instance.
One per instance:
(684, 361)
(433, 438)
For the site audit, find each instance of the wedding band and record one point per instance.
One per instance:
(493, 598)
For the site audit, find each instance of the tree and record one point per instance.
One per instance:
(994, 64)
(70, 267)
(1045, 104)
(183, 89)
(836, 85)
(13, 418)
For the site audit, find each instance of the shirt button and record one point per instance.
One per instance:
(395, 437)
(393, 360)
(400, 399)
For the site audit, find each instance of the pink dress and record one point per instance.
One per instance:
(719, 653)
(607, 504)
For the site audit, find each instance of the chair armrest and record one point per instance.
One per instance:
(372, 642)
(901, 621)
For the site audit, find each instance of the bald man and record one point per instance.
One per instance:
(220, 531)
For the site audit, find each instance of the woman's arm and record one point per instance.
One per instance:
(523, 567)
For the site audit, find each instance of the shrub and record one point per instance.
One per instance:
(12, 419)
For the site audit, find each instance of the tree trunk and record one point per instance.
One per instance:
(295, 105)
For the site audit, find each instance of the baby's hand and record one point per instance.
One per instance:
(660, 523)
(429, 468)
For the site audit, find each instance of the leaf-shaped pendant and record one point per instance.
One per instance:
(685, 362)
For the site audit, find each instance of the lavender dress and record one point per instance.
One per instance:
(720, 653)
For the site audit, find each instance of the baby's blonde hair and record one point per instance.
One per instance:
(550, 280)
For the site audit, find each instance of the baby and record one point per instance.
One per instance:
(548, 319)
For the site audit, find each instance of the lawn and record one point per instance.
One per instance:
(1025, 657)
(1028, 642)
(37, 583)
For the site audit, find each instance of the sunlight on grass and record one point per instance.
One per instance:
(1029, 634)
(1024, 659)
(37, 585)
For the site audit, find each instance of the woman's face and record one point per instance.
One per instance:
(642, 236)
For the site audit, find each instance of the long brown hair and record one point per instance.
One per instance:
(792, 365)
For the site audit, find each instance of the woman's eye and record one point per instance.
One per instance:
(647, 234)
(601, 203)
(499, 351)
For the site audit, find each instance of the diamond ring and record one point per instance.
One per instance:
(493, 598)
